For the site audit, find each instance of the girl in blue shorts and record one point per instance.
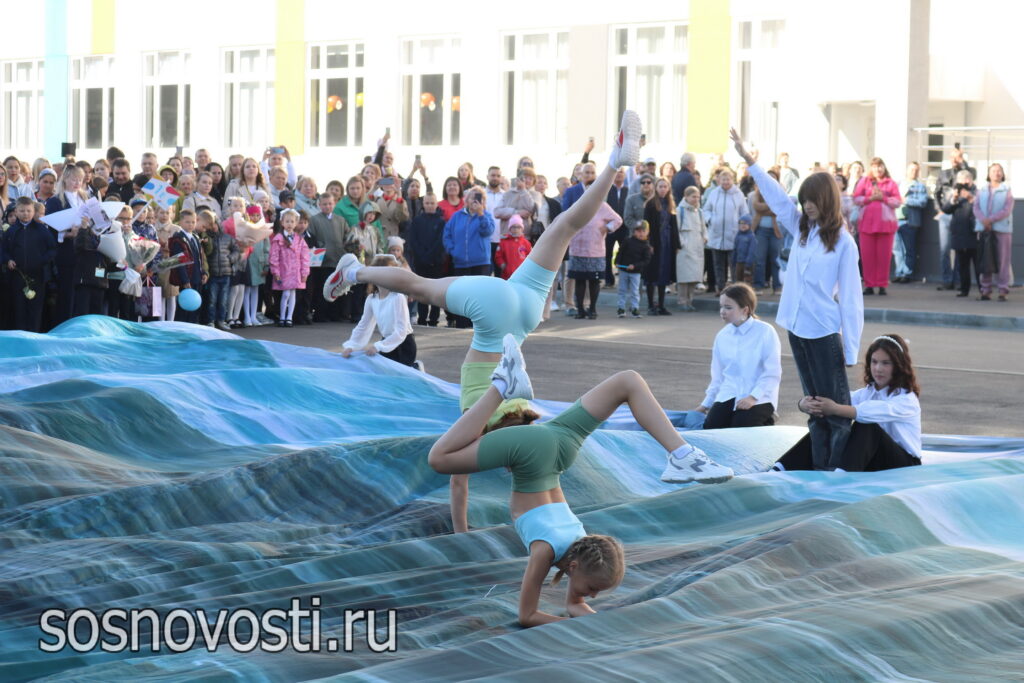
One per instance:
(497, 307)
(537, 455)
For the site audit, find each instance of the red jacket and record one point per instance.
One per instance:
(512, 251)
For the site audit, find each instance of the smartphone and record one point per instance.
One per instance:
(387, 131)
(417, 157)
(179, 150)
(277, 150)
(591, 138)
(68, 149)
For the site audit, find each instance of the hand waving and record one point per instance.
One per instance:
(741, 148)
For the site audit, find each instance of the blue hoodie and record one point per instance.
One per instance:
(467, 237)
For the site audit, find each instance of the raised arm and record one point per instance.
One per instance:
(771, 191)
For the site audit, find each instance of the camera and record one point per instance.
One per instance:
(961, 186)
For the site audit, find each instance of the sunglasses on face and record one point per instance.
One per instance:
(645, 182)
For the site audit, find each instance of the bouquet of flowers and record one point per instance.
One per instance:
(248, 229)
(181, 259)
(140, 251)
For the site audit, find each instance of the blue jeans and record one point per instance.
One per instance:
(220, 288)
(629, 290)
(768, 248)
(822, 371)
(949, 266)
(905, 250)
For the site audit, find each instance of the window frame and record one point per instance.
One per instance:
(155, 79)
(231, 114)
(757, 119)
(355, 73)
(9, 89)
(670, 58)
(515, 67)
(411, 68)
(78, 85)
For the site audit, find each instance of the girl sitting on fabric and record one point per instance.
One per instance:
(887, 414)
(389, 312)
(538, 454)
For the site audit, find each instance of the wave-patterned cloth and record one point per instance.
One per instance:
(171, 466)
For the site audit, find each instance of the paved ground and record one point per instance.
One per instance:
(971, 379)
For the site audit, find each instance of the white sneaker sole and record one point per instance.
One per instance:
(629, 154)
(336, 285)
(519, 385)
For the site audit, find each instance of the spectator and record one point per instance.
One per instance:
(17, 186)
(466, 177)
(993, 213)
(289, 264)
(723, 206)
(203, 197)
(660, 214)
(426, 252)
(617, 201)
(330, 231)
(513, 249)
(744, 252)
(467, 237)
(306, 196)
(121, 185)
(910, 217)
(635, 203)
(650, 166)
(348, 206)
(631, 261)
(518, 201)
(222, 255)
(667, 171)
(452, 201)
(586, 257)
(769, 242)
(247, 185)
(220, 180)
(788, 176)
(28, 249)
(878, 196)
(393, 210)
(693, 234)
(588, 172)
(193, 273)
(494, 193)
(960, 207)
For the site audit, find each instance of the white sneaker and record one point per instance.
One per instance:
(554, 305)
(694, 466)
(512, 370)
(343, 277)
(626, 148)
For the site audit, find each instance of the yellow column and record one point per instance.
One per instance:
(290, 88)
(102, 27)
(708, 71)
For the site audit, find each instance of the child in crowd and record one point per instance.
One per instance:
(256, 269)
(426, 251)
(222, 255)
(631, 261)
(165, 229)
(886, 430)
(744, 252)
(396, 247)
(28, 250)
(513, 248)
(389, 312)
(289, 264)
(192, 274)
(693, 236)
(746, 365)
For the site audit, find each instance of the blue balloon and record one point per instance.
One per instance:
(189, 299)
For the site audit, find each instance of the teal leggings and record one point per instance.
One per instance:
(498, 307)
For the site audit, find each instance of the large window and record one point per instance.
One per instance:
(22, 88)
(91, 124)
(431, 91)
(168, 99)
(535, 89)
(755, 113)
(649, 74)
(248, 105)
(336, 77)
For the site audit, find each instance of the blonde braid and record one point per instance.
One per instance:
(596, 554)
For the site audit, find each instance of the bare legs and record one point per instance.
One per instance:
(425, 290)
(551, 246)
(455, 451)
(629, 387)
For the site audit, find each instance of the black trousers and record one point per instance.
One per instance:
(722, 416)
(617, 237)
(869, 449)
(582, 285)
(965, 258)
(65, 294)
(404, 353)
(89, 300)
(28, 313)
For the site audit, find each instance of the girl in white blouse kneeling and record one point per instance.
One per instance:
(887, 415)
(746, 365)
(388, 311)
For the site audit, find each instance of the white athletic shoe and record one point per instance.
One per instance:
(694, 466)
(343, 277)
(626, 148)
(512, 370)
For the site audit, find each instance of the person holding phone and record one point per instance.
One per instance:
(278, 156)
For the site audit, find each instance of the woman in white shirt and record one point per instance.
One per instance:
(822, 304)
(388, 311)
(746, 365)
(886, 412)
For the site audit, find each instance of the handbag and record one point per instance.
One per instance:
(988, 253)
(151, 303)
(536, 230)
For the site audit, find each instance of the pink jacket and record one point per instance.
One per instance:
(289, 264)
(877, 217)
(589, 241)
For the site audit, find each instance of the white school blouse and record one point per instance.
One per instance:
(898, 414)
(746, 361)
(822, 294)
(390, 314)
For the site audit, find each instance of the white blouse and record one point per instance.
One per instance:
(390, 314)
(898, 414)
(822, 294)
(746, 361)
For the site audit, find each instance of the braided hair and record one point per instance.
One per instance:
(597, 555)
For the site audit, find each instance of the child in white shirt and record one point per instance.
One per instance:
(389, 312)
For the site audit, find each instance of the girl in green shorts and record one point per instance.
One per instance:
(497, 307)
(537, 455)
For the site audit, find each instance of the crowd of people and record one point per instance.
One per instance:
(262, 243)
(659, 227)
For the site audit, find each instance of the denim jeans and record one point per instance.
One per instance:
(904, 250)
(629, 290)
(721, 258)
(220, 288)
(949, 268)
(822, 371)
(766, 258)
